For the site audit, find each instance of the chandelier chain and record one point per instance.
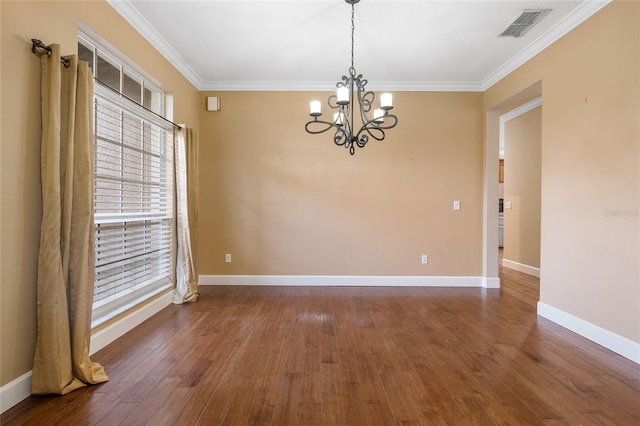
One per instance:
(353, 29)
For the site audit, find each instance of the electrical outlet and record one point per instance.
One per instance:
(425, 259)
(227, 258)
(456, 205)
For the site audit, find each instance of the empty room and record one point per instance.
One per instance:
(323, 212)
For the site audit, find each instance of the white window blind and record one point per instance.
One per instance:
(133, 202)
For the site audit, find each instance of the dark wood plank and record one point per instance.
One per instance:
(357, 356)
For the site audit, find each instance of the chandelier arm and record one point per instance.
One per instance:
(365, 101)
(327, 125)
(374, 131)
(388, 117)
(362, 140)
(341, 137)
(332, 101)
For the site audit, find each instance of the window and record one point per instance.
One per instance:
(133, 187)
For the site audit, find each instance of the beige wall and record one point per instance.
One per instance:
(282, 201)
(52, 22)
(522, 167)
(590, 225)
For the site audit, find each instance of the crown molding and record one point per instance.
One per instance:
(140, 24)
(427, 86)
(569, 22)
(321, 86)
(267, 86)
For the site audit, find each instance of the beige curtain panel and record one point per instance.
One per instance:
(193, 189)
(66, 260)
(186, 170)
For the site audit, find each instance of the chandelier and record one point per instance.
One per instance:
(351, 91)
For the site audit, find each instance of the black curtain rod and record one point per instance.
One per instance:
(103, 84)
(37, 44)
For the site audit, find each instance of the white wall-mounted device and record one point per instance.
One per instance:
(213, 103)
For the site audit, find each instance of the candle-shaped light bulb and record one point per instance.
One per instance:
(343, 95)
(378, 115)
(337, 118)
(386, 101)
(315, 108)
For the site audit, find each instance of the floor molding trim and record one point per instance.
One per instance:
(612, 341)
(110, 333)
(521, 267)
(15, 391)
(345, 280)
(490, 282)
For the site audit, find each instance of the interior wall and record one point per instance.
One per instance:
(284, 202)
(52, 22)
(522, 184)
(590, 167)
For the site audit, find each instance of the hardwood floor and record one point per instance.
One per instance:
(352, 356)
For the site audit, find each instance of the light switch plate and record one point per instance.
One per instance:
(456, 205)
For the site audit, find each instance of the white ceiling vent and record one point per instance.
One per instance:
(524, 22)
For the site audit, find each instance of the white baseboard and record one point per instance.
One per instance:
(19, 389)
(521, 267)
(110, 333)
(15, 391)
(347, 280)
(490, 282)
(612, 341)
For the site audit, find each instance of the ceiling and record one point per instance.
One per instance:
(305, 44)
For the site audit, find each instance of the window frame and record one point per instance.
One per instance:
(152, 98)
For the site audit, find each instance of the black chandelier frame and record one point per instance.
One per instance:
(344, 121)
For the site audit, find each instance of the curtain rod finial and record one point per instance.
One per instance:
(38, 44)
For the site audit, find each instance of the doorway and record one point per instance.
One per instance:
(491, 197)
(520, 156)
